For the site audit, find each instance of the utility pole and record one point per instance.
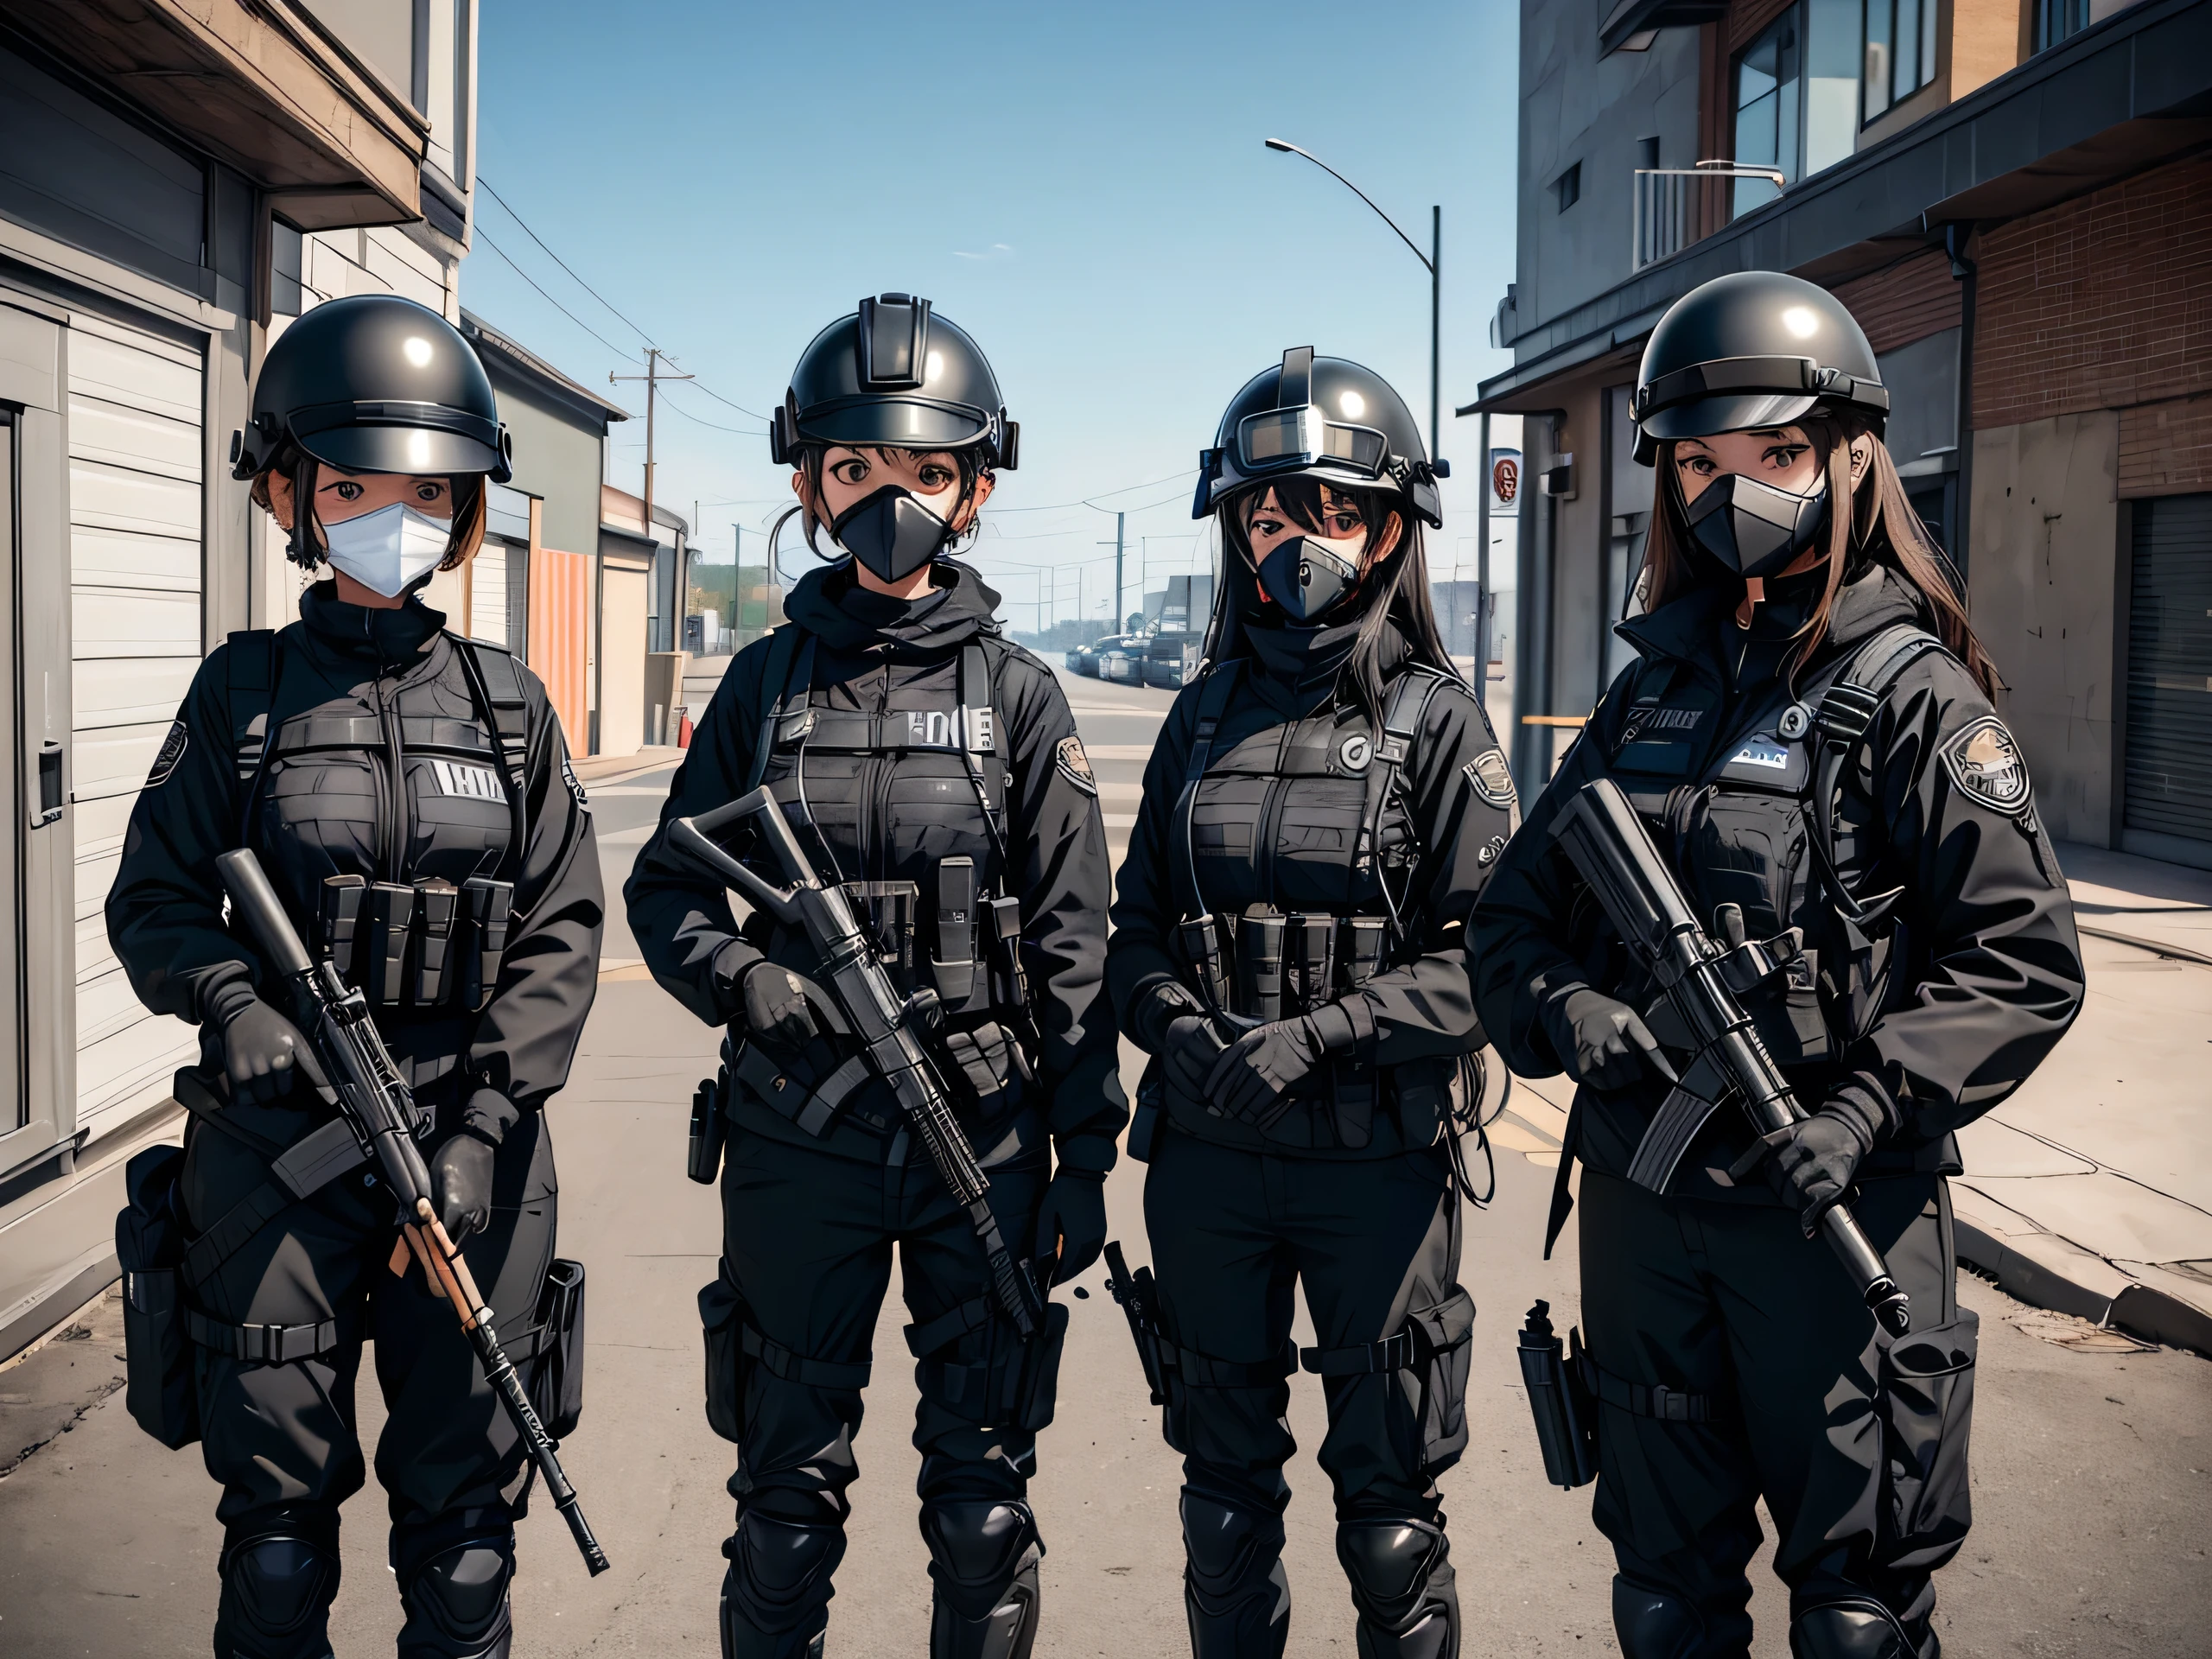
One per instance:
(653, 377)
(1119, 545)
(1435, 328)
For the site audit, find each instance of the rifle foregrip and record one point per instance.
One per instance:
(255, 900)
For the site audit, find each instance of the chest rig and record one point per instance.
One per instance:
(393, 815)
(1753, 809)
(908, 804)
(1285, 850)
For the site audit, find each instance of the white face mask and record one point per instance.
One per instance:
(389, 550)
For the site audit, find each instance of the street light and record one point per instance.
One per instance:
(1433, 259)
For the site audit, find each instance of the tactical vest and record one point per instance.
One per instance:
(906, 809)
(392, 818)
(1291, 852)
(1756, 820)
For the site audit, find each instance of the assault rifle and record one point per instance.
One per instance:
(379, 1107)
(1702, 980)
(890, 1029)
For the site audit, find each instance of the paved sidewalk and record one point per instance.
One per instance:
(2090, 1190)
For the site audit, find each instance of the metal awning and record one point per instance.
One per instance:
(1631, 19)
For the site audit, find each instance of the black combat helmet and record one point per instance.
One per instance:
(374, 384)
(1752, 348)
(1319, 417)
(894, 374)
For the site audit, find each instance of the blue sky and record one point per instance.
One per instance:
(1083, 190)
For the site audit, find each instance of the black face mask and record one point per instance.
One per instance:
(891, 533)
(1752, 528)
(1307, 575)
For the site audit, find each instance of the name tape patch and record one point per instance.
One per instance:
(470, 783)
(1762, 751)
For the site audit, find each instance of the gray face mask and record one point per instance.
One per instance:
(1307, 574)
(891, 533)
(1753, 528)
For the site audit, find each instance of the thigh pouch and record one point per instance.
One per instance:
(737, 1348)
(1009, 1383)
(1432, 1351)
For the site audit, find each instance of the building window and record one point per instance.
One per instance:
(1797, 96)
(1901, 49)
(2056, 19)
(285, 270)
(1568, 187)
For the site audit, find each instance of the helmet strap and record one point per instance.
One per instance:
(301, 547)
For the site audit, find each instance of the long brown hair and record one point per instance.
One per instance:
(1393, 593)
(1875, 522)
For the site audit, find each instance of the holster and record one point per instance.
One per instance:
(1567, 1418)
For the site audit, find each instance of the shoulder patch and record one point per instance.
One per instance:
(1354, 752)
(1985, 763)
(1069, 757)
(576, 784)
(174, 744)
(1493, 780)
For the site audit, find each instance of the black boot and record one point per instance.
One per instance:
(776, 1594)
(1234, 1588)
(983, 1559)
(1402, 1584)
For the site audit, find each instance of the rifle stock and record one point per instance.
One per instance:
(379, 1107)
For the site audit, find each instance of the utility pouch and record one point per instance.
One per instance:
(1151, 1109)
(388, 913)
(890, 907)
(341, 917)
(1202, 949)
(954, 965)
(158, 1387)
(1566, 1419)
(438, 902)
(709, 1128)
(1443, 1336)
(489, 904)
(556, 1374)
(1013, 991)
(1259, 965)
(1927, 1410)
(723, 1312)
(1359, 949)
(1014, 1383)
(1039, 1387)
(1311, 942)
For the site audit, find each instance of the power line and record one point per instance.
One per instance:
(1058, 506)
(555, 257)
(626, 355)
(741, 431)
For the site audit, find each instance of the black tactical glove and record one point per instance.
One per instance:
(1074, 1216)
(775, 1006)
(1187, 1054)
(1252, 1079)
(1599, 1041)
(1815, 1159)
(460, 1184)
(261, 1048)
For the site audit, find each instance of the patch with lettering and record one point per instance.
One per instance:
(1354, 752)
(470, 783)
(1761, 751)
(1069, 757)
(1493, 780)
(1985, 763)
(174, 744)
(576, 787)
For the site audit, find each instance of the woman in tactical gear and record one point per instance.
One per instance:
(1321, 809)
(1807, 733)
(931, 769)
(410, 796)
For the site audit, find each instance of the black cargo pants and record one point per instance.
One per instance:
(1857, 1445)
(1373, 1241)
(282, 1437)
(807, 1239)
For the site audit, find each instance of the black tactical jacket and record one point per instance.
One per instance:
(362, 697)
(894, 815)
(1924, 1020)
(1274, 822)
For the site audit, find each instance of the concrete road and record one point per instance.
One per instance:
(2092, 1491)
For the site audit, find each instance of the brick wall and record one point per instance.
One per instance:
(2166, 449)
(2103, 303)
(1909, 300)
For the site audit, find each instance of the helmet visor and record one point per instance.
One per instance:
(895, 423)
(428, 440)
(1294, 440)
(1728, 411)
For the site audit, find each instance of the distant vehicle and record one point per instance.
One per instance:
(1085, 659)
(1122, 660)
(1170, 659)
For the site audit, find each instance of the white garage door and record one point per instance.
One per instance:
(487, 592)
(136, 490)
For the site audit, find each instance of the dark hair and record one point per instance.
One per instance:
(1876, 524)
(1393, 593)
(470, 502)
(972, 472)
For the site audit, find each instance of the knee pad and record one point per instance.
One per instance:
(1850, 1627)
(456, 1602)
(776, 1594)
(983, 1557)
(275, 1598)
(1654, 1623)
(1235, 1589)
(1403, 1586)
